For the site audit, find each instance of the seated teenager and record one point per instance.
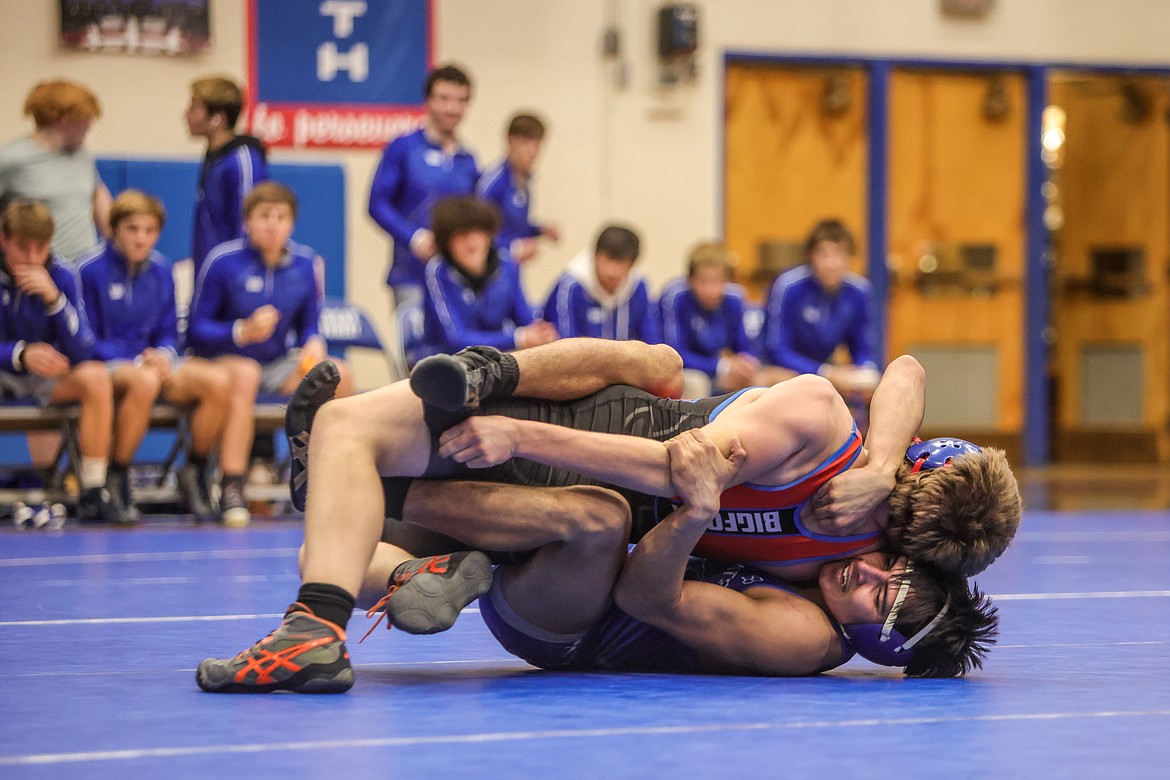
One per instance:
(702, 318)
(129, 296)
(602, 295)
(45, 346)
(254, 313)
(473, 293)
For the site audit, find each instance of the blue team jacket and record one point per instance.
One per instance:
(235, 282)
(25, 320)
(803, 324)
(577, 306)
(128, 312)
(227, 175)
(698, 335)
(498, 186)
(459, 313)
(413, 174)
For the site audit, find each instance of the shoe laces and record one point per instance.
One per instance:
(432, 565)
(233, 494)
(380, 609)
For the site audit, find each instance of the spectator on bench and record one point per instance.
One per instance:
(45, 341)
(816, 308)
(702, 318)
(129, 296)
(601, 296)
(255, 313)
(473, 295)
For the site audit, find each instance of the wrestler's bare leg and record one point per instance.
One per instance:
(354, 441)
(574, 368)
(561, 371)
(580, 535)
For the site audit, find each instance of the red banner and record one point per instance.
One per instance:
(331, 127)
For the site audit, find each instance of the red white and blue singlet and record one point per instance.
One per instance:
(757, 524)
(760, 524)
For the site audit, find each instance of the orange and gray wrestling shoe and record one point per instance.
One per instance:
(304, 654)
(426, 595)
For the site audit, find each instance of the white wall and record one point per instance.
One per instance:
(643, 154)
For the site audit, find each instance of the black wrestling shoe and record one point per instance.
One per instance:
(465, 379)
(315, 389)
(304, 654)
(426, 595)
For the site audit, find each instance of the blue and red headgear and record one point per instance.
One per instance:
(883, 644)
(936, 453)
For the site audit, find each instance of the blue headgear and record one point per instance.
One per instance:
(881, 642)
(937, 453)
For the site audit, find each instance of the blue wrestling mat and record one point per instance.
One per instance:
(101, 631)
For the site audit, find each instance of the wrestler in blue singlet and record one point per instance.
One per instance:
(617, 642)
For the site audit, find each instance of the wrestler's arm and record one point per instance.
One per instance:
(845, 503)
(788, 419)
(628, 461)
(761, 630)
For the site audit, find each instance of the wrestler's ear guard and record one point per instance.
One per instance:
(937, 453)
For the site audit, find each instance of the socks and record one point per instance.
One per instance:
(327, 602)
(509, 376)
(93, 472)
(198, 461)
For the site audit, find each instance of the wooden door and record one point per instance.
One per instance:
(795, 152)
(956, 255)
(1109, 208)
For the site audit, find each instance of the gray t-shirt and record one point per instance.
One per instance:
(64, 182)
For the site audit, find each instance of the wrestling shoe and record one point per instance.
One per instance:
(428, 594)
(318, 386)
(465, 379)
(304, 654)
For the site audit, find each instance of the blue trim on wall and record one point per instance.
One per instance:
(1037, 408)
(877, 196)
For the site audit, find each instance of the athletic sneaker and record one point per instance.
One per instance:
(118, 486)
(233, 506)
(98, 505)
(318, 386)
(193, 487)
(428, 594)
(304, 654)
(463, 380)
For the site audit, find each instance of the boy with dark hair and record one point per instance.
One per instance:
(815, 308)
(601, 296)
(473, 295)
(46, 345)
(506, 186)
(129, 297)
(233, 165)
(418, 169)
(703, 319)
(253, 299)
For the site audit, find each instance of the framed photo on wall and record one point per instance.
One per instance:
(175, 27)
